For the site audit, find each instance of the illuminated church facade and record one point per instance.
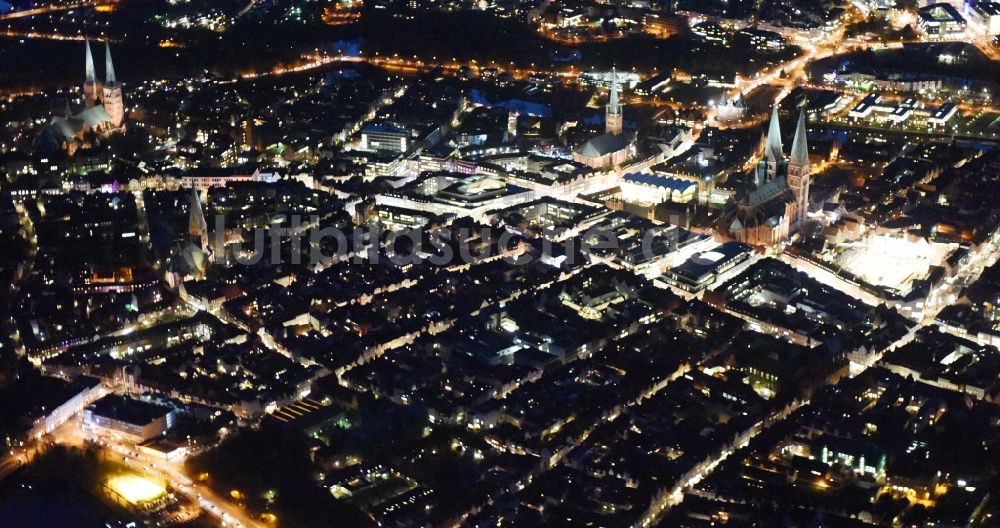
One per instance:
(104, 107)
(776, 202)
(612, 148)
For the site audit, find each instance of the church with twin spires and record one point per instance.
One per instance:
(104, 108)
(107, 94)
(775, 203)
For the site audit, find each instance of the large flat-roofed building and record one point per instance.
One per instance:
(903, 111)
(121, 416)
(55, 401)
(943, 114)
(763, 40)
(164, 449)
(654, 189)
(858, 456)
(384, 137)
(941, 21)
(984, 15)
(203, 178)
(705, 267)
(456, 193)
(865, 107)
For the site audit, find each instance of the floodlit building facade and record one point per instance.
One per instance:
(777, 201)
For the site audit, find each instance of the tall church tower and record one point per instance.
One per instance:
(197, 226)
(512, 125)
(112, 93)
(798, 169)
(773, 153)
(613, 113)
(91, 90)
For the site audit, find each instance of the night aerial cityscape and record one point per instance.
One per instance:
(499, 263)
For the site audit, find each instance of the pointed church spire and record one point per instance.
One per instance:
(197, 226)
(69, 112)
(613, 119)
(800, 147)
(614, 107)
(91, 71)
(773, 146)
(109, 67)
